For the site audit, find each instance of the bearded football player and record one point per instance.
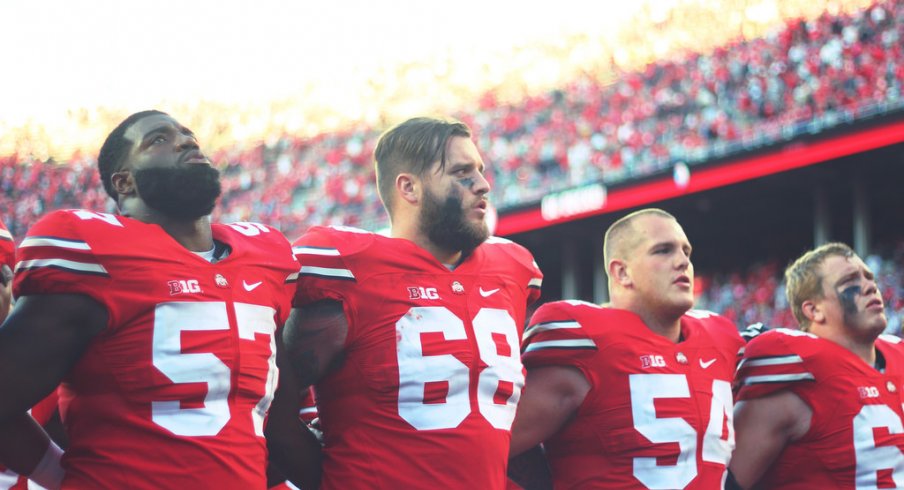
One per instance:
(159, 327)
(412, 339)
(820, 407)
(635, 393)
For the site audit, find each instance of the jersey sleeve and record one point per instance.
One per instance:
(56, 258)
(555, 337)
(326, 273)
(774, 361)
(7, 247)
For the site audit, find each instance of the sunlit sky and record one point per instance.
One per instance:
(323, 57)
(61, 54)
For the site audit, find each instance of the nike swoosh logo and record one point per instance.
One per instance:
(706, 364)
(252, 286)
(487, 294)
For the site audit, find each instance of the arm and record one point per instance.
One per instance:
(39, 342)
(6, 291)
(315, 339)
(294, 450)
(763, 427)
(552, 395)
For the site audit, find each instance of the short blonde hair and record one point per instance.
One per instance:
(803, 279)
(618, 232)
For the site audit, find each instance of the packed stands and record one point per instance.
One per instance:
(809, 76)
(804, 78)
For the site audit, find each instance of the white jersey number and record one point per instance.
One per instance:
(170, 320)
(645, 388)
(492, 328)
(872, 458)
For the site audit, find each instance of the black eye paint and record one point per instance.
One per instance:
(848, 299)
(466, 182)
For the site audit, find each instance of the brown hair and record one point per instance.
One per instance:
(412, 146)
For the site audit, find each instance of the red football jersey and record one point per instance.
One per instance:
(856, 433)
(431, 376)
(174, 392)
(658, 414)
(7, 247)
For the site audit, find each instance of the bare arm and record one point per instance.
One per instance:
(293, 448)
(39, 342)
(763, 427)
(552, 395)
(315, 338)
(6, 291)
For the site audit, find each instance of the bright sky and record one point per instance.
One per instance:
(60, 54)
(291, 59)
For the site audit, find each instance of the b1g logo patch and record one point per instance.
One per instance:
(417, 292)
(652, 360)
(183, 286)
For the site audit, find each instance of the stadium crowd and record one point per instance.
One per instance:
(807, 76)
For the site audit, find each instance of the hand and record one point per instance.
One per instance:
(315, 429)
(753, 330)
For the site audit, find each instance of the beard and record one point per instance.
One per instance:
(445, 223)
(182, 193)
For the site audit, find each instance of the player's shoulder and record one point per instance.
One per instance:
(714, 324)
(336, 241)
(891, 345)
(782, 358)
(784, 342)
(498, 247)
(256, 234)
(78, 221)
(561, 325)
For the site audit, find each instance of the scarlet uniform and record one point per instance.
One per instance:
(174, 392)
(856, 431)
(7, 247)
(426, 395)
(658, 414)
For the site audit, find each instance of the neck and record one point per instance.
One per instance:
(665, 325)
(195, 235)
(864, 348)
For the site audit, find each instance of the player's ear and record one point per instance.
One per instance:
(408, 186)
(813, 311)
(618, 271)
(123, 182)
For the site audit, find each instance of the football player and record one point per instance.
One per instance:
(160, 326)
(635, 393)
(821, 407)
(413, 338)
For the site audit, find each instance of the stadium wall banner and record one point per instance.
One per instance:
(594, 199)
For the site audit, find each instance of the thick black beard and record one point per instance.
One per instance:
(446, 226)
(181, 193)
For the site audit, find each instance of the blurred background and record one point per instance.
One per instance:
(765, 126)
